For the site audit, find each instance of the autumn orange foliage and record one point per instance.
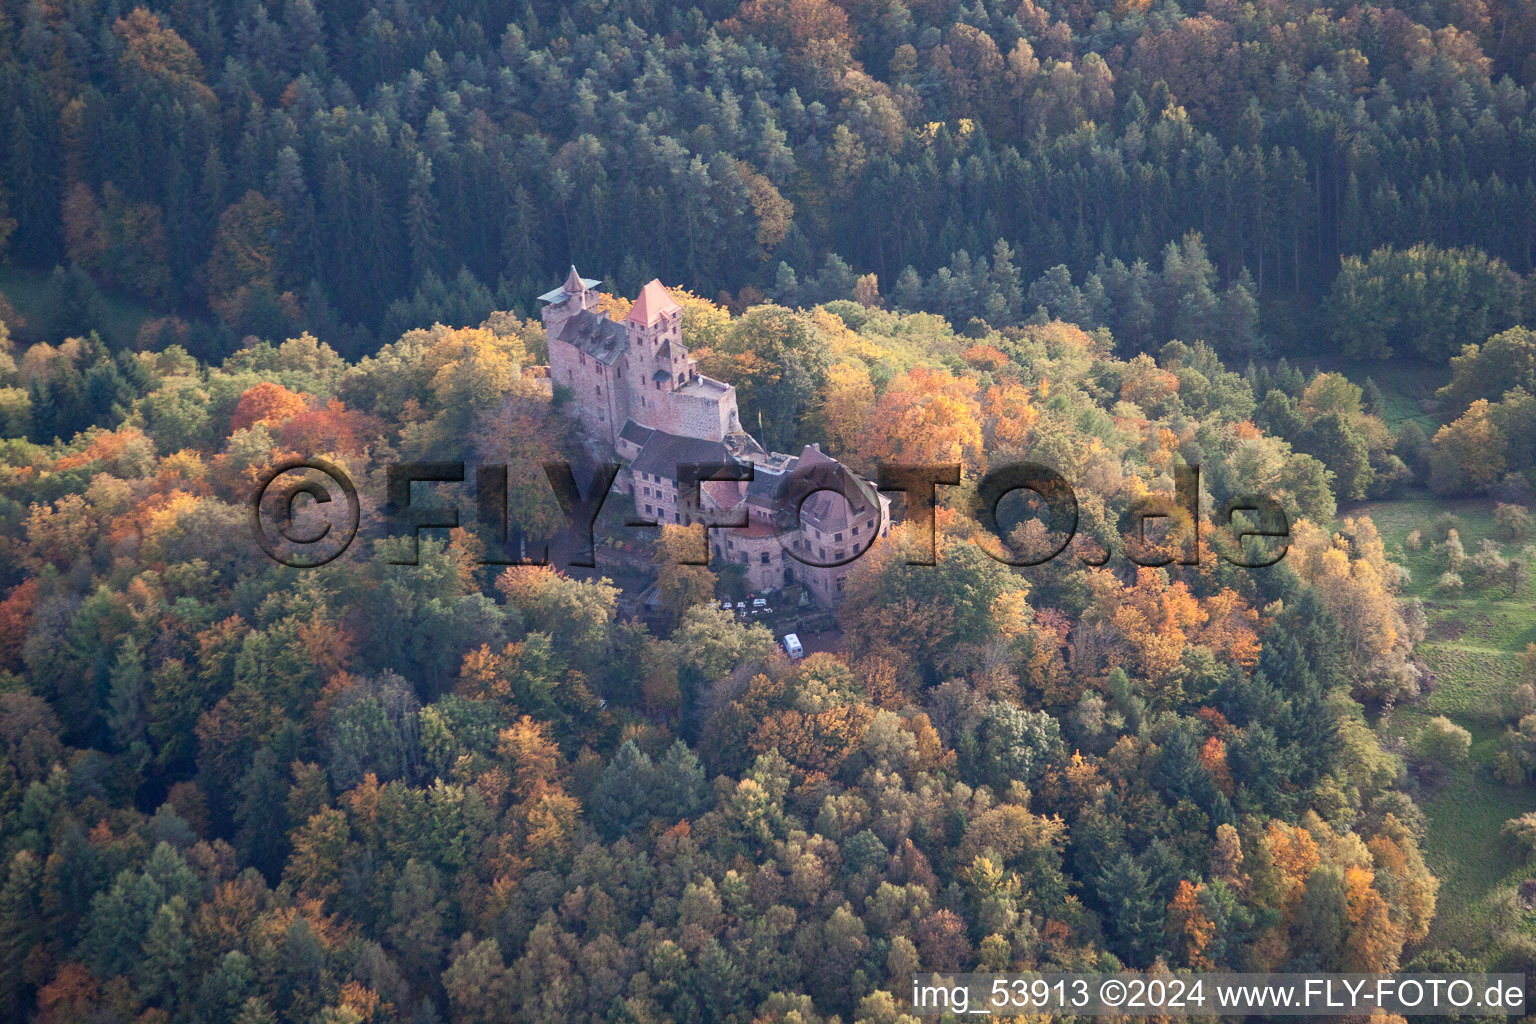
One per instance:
(267, 403)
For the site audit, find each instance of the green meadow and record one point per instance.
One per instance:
(1473, 647)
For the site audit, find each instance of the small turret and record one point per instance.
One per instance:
(562, 303)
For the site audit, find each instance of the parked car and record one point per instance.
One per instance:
(792, 647)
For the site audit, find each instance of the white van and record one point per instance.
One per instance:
(792, 647)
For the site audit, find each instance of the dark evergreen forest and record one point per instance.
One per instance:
(357, 170)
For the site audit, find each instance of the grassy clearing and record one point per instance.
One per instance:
(1465, 850)
(1473, 650)
(28, 292)
(1408, 388)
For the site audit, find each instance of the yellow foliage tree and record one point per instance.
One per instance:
(926, 417)
(680, 586)
(1469, 454)
(846, 404)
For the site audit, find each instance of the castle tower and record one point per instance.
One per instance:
(587, 355)
(576, 294)
(667, 392)
(659, 363)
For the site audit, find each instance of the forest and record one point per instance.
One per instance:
(1289, 243)
(447, 791)
(354, 170)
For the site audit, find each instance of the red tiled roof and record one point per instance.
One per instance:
(653, 304)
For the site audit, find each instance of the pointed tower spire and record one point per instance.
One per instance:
(573, 284)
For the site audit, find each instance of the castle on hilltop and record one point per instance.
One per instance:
(634, 387)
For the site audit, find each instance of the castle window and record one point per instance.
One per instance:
(840, 581)
(871, 524)
(765, 558)
(855, 531)
(647, 510)
(599, 389)
(837, 536)
(839, 554)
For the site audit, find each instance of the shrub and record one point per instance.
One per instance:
(1455, 555)
(1523, 831)
(1514, 522)
(1522, 700)
(1443, 743)
(1489, 564)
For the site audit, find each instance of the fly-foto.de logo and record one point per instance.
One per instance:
(306, 512)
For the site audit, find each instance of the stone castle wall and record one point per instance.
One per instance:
(703, 414)
(599, 398)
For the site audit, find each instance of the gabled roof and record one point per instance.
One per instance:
(663, 452)
(654, 303)
(830, 510)
(835, 497)
(767, 480)
(634, 433)
(829, 495)
(596, 335)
